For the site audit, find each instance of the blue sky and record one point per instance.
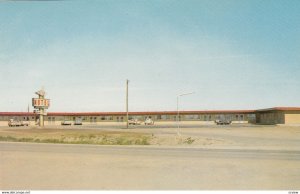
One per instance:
(233, 54)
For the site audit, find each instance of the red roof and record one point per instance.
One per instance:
(124, 113)
(151, 112)
(17, 114)
(146, 113)
(280, 109)
(287, 108)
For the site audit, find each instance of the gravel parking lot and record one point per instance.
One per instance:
(166, 134)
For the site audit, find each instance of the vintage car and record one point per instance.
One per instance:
(134, 122)
(149, 121)
(66, 122)
(78, 121)
(16, 123)
(222, 122)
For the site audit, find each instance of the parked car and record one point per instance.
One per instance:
(25, 123)
(222, 122)
(16, 123)
(13, 123)
(134, 122)
(66, 122)
(78, 121)
(149, 121)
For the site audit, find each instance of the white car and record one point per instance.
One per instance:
(17, 123)
(14, 123)
(78, 122)
(66, 122)
(134, 122)
(149, 121)
(25, 123)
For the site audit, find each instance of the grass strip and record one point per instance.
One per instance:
(102, 140)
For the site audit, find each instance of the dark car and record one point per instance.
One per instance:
(222, 122)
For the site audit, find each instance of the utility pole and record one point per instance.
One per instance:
(127, 81)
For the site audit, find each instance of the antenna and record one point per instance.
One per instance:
(41, 92)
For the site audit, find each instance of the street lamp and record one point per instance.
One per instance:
(184, 94)
(127, 81)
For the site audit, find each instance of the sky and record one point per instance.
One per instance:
(233, 54)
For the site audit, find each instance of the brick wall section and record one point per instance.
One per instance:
(292, 118)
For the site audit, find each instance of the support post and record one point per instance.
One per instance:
(41, 113)
(177, 116)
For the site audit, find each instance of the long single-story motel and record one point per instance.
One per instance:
(276, 115)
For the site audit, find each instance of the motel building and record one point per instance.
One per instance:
(277, 115)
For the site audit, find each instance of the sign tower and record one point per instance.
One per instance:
(40, 104)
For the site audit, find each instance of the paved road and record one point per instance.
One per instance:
(56, 166)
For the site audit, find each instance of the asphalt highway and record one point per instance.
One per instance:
(152, 151)
(62, 166)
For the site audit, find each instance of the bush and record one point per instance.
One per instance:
(189, 140)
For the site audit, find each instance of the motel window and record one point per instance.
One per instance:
(108, 118)
(190, 117)
(158, 117)
(149, 117)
